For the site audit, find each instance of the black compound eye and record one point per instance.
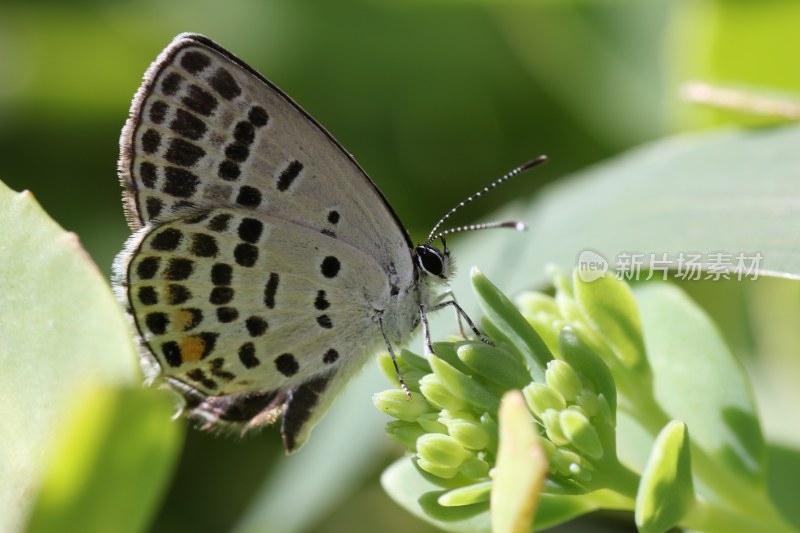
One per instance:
(430, 259)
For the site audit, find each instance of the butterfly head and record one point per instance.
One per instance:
(434, 262)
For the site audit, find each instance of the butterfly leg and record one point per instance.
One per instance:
(452, 296)
(461, 313)
(426, 334)
(394, 359)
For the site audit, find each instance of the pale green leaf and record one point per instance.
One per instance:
(698, 381)
(111, 465)
(62, 332)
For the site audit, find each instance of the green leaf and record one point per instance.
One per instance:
(724, 190)
(62, 332)
(697, 380)
(520, 469)
(666, 491)
(407, 486)
(419, 495)
(112, 466)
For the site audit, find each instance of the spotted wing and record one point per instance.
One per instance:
(207, 130)
(229, 301)
(250, 316)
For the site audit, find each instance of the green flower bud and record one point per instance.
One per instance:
(444, 472)
(441, 450)
(541, 397)
(580, 432)
(562, 460)
(605, 410)
(415, 360)
(547, 327)
(497, 365)
(430, 422)
(589, 402)
(476, 493)
(552, 426)
(534, 303)
(491, 428)
(579, 473)
(396, 404)
(463, 386)
(405, 433)
(435, 392)
(474, 467)
(563, 378)
(468, 433)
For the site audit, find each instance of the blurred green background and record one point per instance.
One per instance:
(434, 98)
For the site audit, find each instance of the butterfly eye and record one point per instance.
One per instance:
(430, 259)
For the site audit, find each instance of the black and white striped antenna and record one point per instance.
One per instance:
(513, 224)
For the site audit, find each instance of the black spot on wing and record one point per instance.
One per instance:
(179, 182)
(148, 174)
(287, 364)
(247, 355)
(330, 267)
(148, 267)
(219, 222)
(151, 140)
(177, 294)
(158, 111)
(166, 240)
(270, 290)
(250, 230)
(187, 125)
(224, 84)
(195, 61)
(182, 152)
(289, 174)
(221, 274)
(200, 101)
(258, 116)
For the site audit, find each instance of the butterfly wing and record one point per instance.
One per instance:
(229, 302)
(262, 252)
(205, 129)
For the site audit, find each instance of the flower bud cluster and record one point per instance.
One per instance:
(450, 422)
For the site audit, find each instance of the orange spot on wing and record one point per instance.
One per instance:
(181, 319)
(192, 349)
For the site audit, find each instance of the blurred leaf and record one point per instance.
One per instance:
(112, 465)
(732, 191)
(62, 332)
(698, 381)
(409, 487)
(665, 490)
(520, 470)
(344, 449)
(743, 43)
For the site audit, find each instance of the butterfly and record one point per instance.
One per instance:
(265, 267)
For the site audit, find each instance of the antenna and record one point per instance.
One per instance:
(519, 226)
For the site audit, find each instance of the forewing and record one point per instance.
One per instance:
(229, 302)
(207, 130)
